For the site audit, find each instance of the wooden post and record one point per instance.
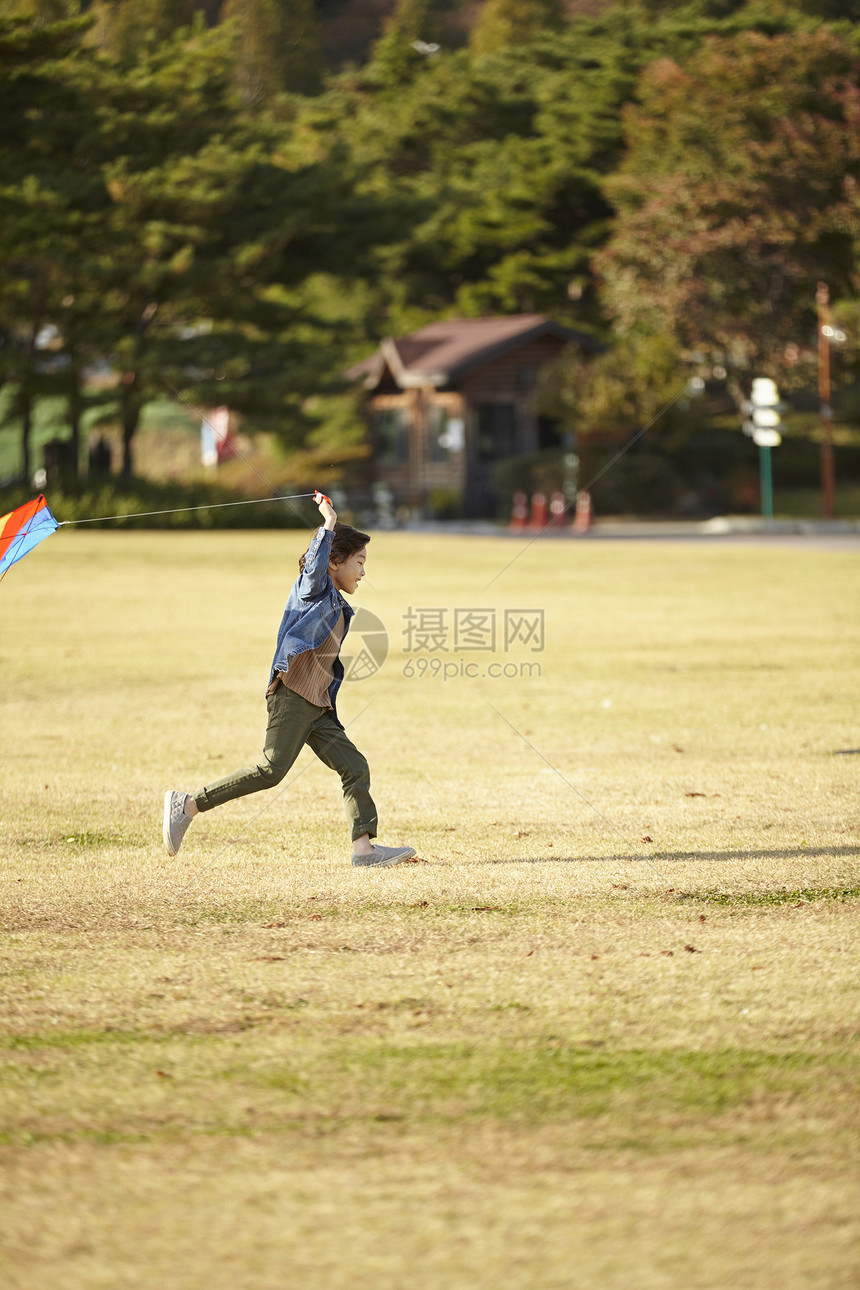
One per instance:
(822, 300)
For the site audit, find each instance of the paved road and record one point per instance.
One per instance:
(838, 536)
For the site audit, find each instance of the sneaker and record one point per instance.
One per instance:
(176, 821)
(384, 857)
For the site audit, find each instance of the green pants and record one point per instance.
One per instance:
(293, 722)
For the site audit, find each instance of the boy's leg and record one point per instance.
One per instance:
(335, 749)
(291, 719)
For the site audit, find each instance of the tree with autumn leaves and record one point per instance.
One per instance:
(737, 194)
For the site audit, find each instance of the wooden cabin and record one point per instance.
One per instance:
(449, 401)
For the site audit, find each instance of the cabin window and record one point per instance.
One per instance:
(497, 431)
(391, 436)
(437, 429)
(549, 433)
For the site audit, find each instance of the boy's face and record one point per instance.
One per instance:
(347, 575)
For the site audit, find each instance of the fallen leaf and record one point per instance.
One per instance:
(691, 949)
(415, 860)
(759, 967)
(484, 909)
(522, 834)
(595, 956)
(695, 794)
(677, 748)
(702, 918)
(315, 918)
(420, 904)
(620, 886)
(274, 924)
(528, 956)
(669, 953)
(164, 1075)
(647, 839)
(269, 958)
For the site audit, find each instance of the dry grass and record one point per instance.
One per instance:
(553, 1054)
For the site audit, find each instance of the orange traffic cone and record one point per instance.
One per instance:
(538, 517)
(520, 512)
(582, 520)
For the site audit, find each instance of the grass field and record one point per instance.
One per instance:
(602, 1034)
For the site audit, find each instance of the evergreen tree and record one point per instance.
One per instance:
(504, 24)
(40, 12)
(395, 58)
(50, 196)
(125, 28)
(278, 48)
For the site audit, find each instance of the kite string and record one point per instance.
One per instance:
(130, 515)
(593, 480)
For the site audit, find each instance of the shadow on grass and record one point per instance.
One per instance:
(717, 857)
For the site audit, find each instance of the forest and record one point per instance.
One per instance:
(229, 203)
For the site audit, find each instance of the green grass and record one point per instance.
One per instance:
(782, 897)
(534, 1082)
(602, 1035)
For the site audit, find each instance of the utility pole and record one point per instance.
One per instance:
(825, 331)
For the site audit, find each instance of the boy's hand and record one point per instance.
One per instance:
(327, 511)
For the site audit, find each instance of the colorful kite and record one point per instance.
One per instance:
(24, 528)
(30, 524)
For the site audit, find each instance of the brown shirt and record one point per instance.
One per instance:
(311, 673)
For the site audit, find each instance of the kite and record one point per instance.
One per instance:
(23, 529)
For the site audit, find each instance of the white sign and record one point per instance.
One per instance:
(764, 392)
(454, 437)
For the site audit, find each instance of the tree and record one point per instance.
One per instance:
(203, 221)
(394, 58)
(49, 195)
(506, 24)
(123, 28)
(278, 48)
(490, 173)
(736, 193)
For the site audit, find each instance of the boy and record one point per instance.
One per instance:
(304, 680)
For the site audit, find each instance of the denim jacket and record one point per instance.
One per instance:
(313, 607)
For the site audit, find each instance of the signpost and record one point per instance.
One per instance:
(764, 403)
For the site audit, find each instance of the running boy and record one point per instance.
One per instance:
(303, 684)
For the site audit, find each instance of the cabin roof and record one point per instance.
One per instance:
(442, 351)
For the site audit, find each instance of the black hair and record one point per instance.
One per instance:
(346, 542)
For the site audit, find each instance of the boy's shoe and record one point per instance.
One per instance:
(384, 857)
(176, 822)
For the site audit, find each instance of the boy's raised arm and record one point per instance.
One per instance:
(327, 511)
(313, 576)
